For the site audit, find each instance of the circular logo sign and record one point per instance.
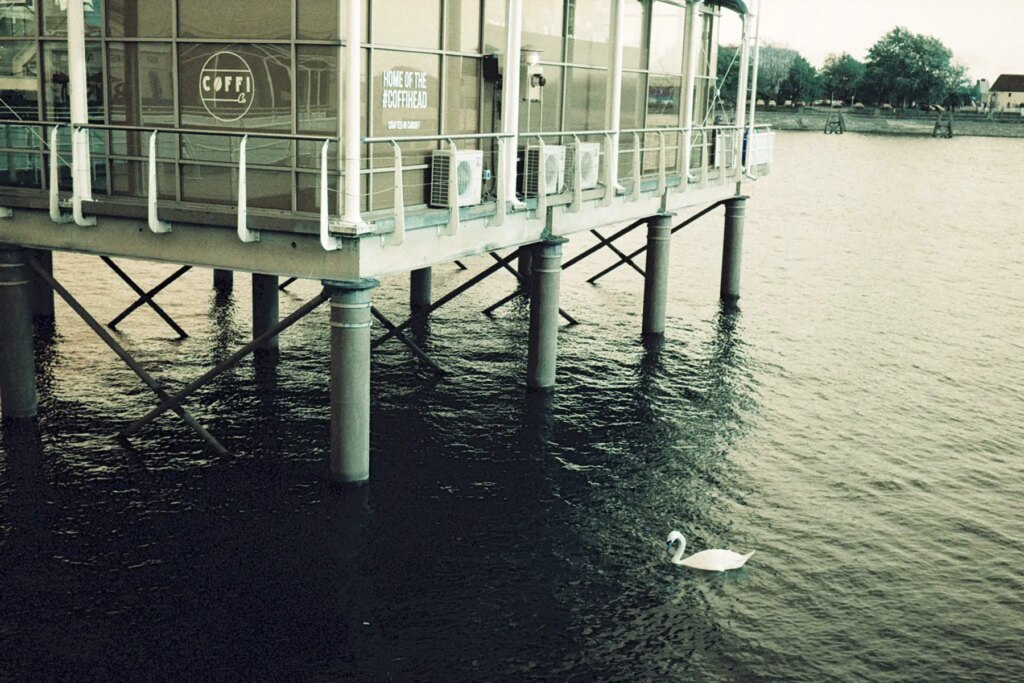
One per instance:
(226, 86)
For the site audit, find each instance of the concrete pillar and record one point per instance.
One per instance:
(39, 292)
(659, 245)
(264, 309)
(420, 285)
(350, 380)
(732, 248)
(17, 357)
(223, 280)
(545, 280)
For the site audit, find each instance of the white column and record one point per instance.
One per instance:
(510, 90)
(78, 91)
(613, 114)
(692, 59)
(753, 80)
(349, 103)
(741, 96)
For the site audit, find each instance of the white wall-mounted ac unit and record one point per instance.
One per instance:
(590, 164)
(469, 165)
(550, 175)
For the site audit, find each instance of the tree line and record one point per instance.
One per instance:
(902, 69)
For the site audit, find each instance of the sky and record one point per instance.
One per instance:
(986, 36)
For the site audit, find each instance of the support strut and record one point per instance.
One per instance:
(146, 298)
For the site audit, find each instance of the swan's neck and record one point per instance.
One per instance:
(678, 557)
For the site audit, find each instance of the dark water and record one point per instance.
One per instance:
(859, 422)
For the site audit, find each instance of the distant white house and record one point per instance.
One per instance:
(1007, 93)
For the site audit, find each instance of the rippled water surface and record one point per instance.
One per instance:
(859, 422)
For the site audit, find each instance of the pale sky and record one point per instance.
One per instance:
(986, 36)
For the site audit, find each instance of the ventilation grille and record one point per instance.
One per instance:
(468, 171)
(551, 177)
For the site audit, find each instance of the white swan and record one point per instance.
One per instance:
(715, 560)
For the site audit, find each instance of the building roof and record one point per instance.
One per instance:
(1008, 83)
(737, 6)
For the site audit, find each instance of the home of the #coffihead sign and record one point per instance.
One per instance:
(403, 92)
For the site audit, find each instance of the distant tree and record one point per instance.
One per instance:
(904, 67)
(802, 83)
(841, 77)
(773, 70)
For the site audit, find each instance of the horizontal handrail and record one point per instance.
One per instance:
(301, 137)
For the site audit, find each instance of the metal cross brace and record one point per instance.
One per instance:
(172, 402)
(422, 314)
(417, 351)
(523, 285)
(284, 285)
(146, 297)
(624, 259)
(122, 354)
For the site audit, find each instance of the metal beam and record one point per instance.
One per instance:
(417, 351)
(171, 402)
(123, 355)
(147, 297)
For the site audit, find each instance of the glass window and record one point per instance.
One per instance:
(663, 101)
(318, 19)
(463, 30)
(18, 18)
(236, 18)
(542, 28)
(317, 94)
(585, 99)
(407, 24)
(634, 50)
(19, 90)
(139, 18)
(495, 34)
(240, 86)
(18, 169)
(462, 95)
(55, 76)
(141, 84)
(634, 100)
(667, 25)
(589, 32)
(219, 185)
(131, 179)
(55, 18)
(307, 192)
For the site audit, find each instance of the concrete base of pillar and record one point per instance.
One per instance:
(545, 283)
(659, 246)
(350, 380)
(17, 355)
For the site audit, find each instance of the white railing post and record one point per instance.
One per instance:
(611, 144)
(453, 190)
(155, 224)
(502, 181)
(637, 169)
(398, 234)
(55, 215)
(328, 241)
(662, 165)
(244, 233)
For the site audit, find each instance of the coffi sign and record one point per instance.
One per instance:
(226, 86)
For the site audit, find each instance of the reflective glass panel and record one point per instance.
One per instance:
(55, 18)
(56, 80)
(542, 28)
(141, 84)
(589, 32)
(667, 24)
(19, 90)
(236, 19)
(139, 18)
(407, 24)
(585, 99)
(18, 18)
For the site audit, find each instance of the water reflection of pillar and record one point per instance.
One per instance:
(350, 380)
(265, 310)
(732, 248)
(41, 294)
(17, 357)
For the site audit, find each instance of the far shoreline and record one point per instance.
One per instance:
(876, 121)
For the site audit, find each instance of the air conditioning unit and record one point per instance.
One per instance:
(590, 164)
(549, 174)
(469, 165)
